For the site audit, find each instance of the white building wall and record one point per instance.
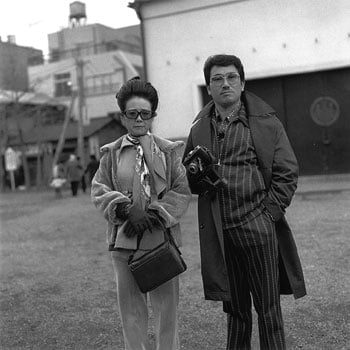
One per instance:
(41, 77)
(272, 37)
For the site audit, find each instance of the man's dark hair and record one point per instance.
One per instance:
(137, 87)
(223, 61)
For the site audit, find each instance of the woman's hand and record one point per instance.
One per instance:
(154, 217)
(139, 221)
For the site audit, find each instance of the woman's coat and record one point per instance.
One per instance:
(171, 186)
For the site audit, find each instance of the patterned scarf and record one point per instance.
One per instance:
(142, 174)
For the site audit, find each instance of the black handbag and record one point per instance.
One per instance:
(158, 265)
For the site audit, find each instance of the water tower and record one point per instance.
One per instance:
(77, 14)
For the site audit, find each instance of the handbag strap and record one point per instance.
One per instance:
(167, 237)
(166, 231)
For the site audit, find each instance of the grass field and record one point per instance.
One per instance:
(57, 287)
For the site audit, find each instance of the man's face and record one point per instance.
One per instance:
(225, 86)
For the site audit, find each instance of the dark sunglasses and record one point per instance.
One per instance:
(143, 113)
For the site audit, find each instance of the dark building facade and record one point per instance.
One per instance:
(315, 111)
(14, 60)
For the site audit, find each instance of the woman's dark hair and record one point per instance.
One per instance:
(223, 61)
(137, 87)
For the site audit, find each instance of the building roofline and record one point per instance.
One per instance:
(22, 97)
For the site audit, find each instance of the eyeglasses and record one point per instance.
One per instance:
(143, 113)
(231, 78)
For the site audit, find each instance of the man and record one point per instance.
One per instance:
(92, 167)
(83, 182)
(74, 171)
(247, 249)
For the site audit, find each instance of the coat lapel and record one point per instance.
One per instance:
(158, 173)
(201, 133)
(263, 141)
(155, 163)
(262, 136)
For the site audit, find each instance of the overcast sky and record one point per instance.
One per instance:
(32, 20)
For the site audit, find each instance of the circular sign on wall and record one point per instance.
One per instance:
(324, 111)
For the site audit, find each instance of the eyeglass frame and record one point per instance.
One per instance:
(222, 77)
(139, 113)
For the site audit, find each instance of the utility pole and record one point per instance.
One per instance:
(61, 140)
(81, 103)
(3, 142)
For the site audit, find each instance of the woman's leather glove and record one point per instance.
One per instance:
(138, 220)
(122, 210)
(154, 217)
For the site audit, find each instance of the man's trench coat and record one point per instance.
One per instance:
(280, 171)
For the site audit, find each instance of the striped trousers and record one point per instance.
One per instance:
(251, 253)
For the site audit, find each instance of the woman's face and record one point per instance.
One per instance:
(138, 126)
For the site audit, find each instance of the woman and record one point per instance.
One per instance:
(141, 184)
(59, 178)
(74, 174)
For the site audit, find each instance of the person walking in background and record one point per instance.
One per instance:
(92, 167)
(82, 180)
(74, 172)
(247, 249)
(58, 178)
(140, 186)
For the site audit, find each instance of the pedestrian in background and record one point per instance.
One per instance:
(74, 173)
(247, 248)
(58, 178)
(82, 180)
(140, 186)
(92, 167)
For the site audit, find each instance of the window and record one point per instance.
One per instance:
(104, 83)
(63, 85)
(54, 55)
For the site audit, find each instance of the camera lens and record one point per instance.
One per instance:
(193, 168)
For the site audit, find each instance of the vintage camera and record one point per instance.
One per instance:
(200, 166)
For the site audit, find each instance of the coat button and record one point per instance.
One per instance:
(201, 226)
